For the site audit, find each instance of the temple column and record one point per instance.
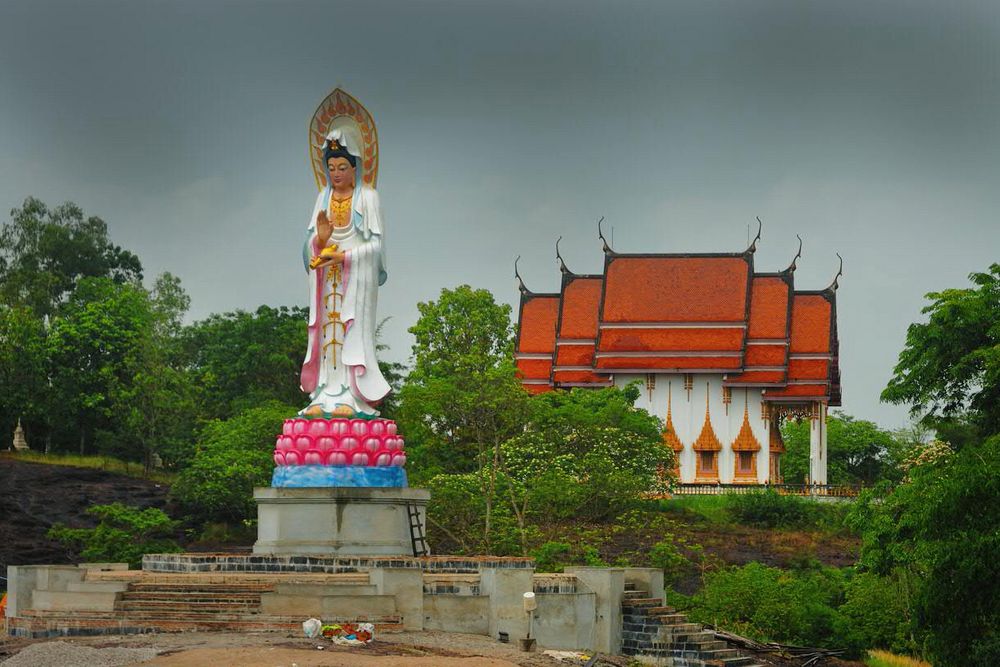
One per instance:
(817, 444)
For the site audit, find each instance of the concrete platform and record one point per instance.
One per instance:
(336, 521)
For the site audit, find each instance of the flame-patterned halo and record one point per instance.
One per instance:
(340, 108)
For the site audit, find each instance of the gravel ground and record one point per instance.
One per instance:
(66, 654)
(397, 649)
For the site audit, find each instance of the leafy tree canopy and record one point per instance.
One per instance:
(941, 528)
(45, 252)
(90, 344)
(233, 457)
(951, 363)
(859, 451)
(461, 398)
(242, 359)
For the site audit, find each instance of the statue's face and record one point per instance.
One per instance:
(341, 172)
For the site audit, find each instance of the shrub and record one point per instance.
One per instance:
(769, 509)
(877, 614)
(551, 556)
(666, 556)
(123, 535)
(233, 457)
(774, 605)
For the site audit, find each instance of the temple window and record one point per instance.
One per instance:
(706, 463)
(744, 462)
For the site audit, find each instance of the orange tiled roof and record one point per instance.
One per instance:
(536, 339)
(576, 332)
(766, 358)
(813, 371)
(683, 313)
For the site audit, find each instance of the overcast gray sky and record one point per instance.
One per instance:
(872, 129)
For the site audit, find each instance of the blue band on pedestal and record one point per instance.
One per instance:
(299, 477)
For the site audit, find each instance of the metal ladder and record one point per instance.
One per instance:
(417, 537)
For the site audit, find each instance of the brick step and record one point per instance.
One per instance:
(668, 618)
(177, 607)
(194, 597)
(642, 602)
(631, 595)
(680, 631)
(188, 589)
(659, 611)
(141, 578)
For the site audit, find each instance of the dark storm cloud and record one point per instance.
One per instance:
(869, 128)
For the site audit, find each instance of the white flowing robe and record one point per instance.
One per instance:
(340, 368)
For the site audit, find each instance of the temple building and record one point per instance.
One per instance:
(721, 352)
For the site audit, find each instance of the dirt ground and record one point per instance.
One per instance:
(402, 649)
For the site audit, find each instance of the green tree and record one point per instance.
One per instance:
(951, 362)
(462, 400)
(45, 252)
(859, 451)
(156, 408)
(23, 372)
(90, 345)
(233, 457)
(940, 531)
(240, 360)
(123, 535)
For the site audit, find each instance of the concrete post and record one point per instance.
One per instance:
(407, 587)
(608, 583)
(506, 589)
(817, 444)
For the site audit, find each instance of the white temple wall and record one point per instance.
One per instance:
(688, 416)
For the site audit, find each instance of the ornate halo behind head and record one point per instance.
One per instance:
(341, 116)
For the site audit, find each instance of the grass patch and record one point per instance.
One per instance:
(885, 659)
(706, 509)
(103, 463)
(760, 509)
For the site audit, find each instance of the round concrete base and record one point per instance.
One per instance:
(338, 521)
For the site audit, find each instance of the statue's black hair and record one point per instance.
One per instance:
(334, 149)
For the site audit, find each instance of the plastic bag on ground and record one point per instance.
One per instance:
(311, 627)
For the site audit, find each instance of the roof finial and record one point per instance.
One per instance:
(520, 282)
(562, 264)
(753, 245)
(600, 235)
(791, 267)
(836, 279)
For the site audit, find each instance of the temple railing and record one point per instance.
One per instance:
(711, 489)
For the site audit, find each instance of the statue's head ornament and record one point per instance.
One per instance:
(335, 149)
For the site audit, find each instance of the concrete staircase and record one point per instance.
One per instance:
(659, 635)
(232, 603)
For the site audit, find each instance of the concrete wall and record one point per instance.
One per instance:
(583, 615)
(608, 586)
(57, 588)
(565, 620)
(406, 587)
(506, 589)
(648, 579)
(457, 613)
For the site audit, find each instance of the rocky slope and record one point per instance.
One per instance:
(34, 496)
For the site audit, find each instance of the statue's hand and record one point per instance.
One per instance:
(327, 258)
(321, 219)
